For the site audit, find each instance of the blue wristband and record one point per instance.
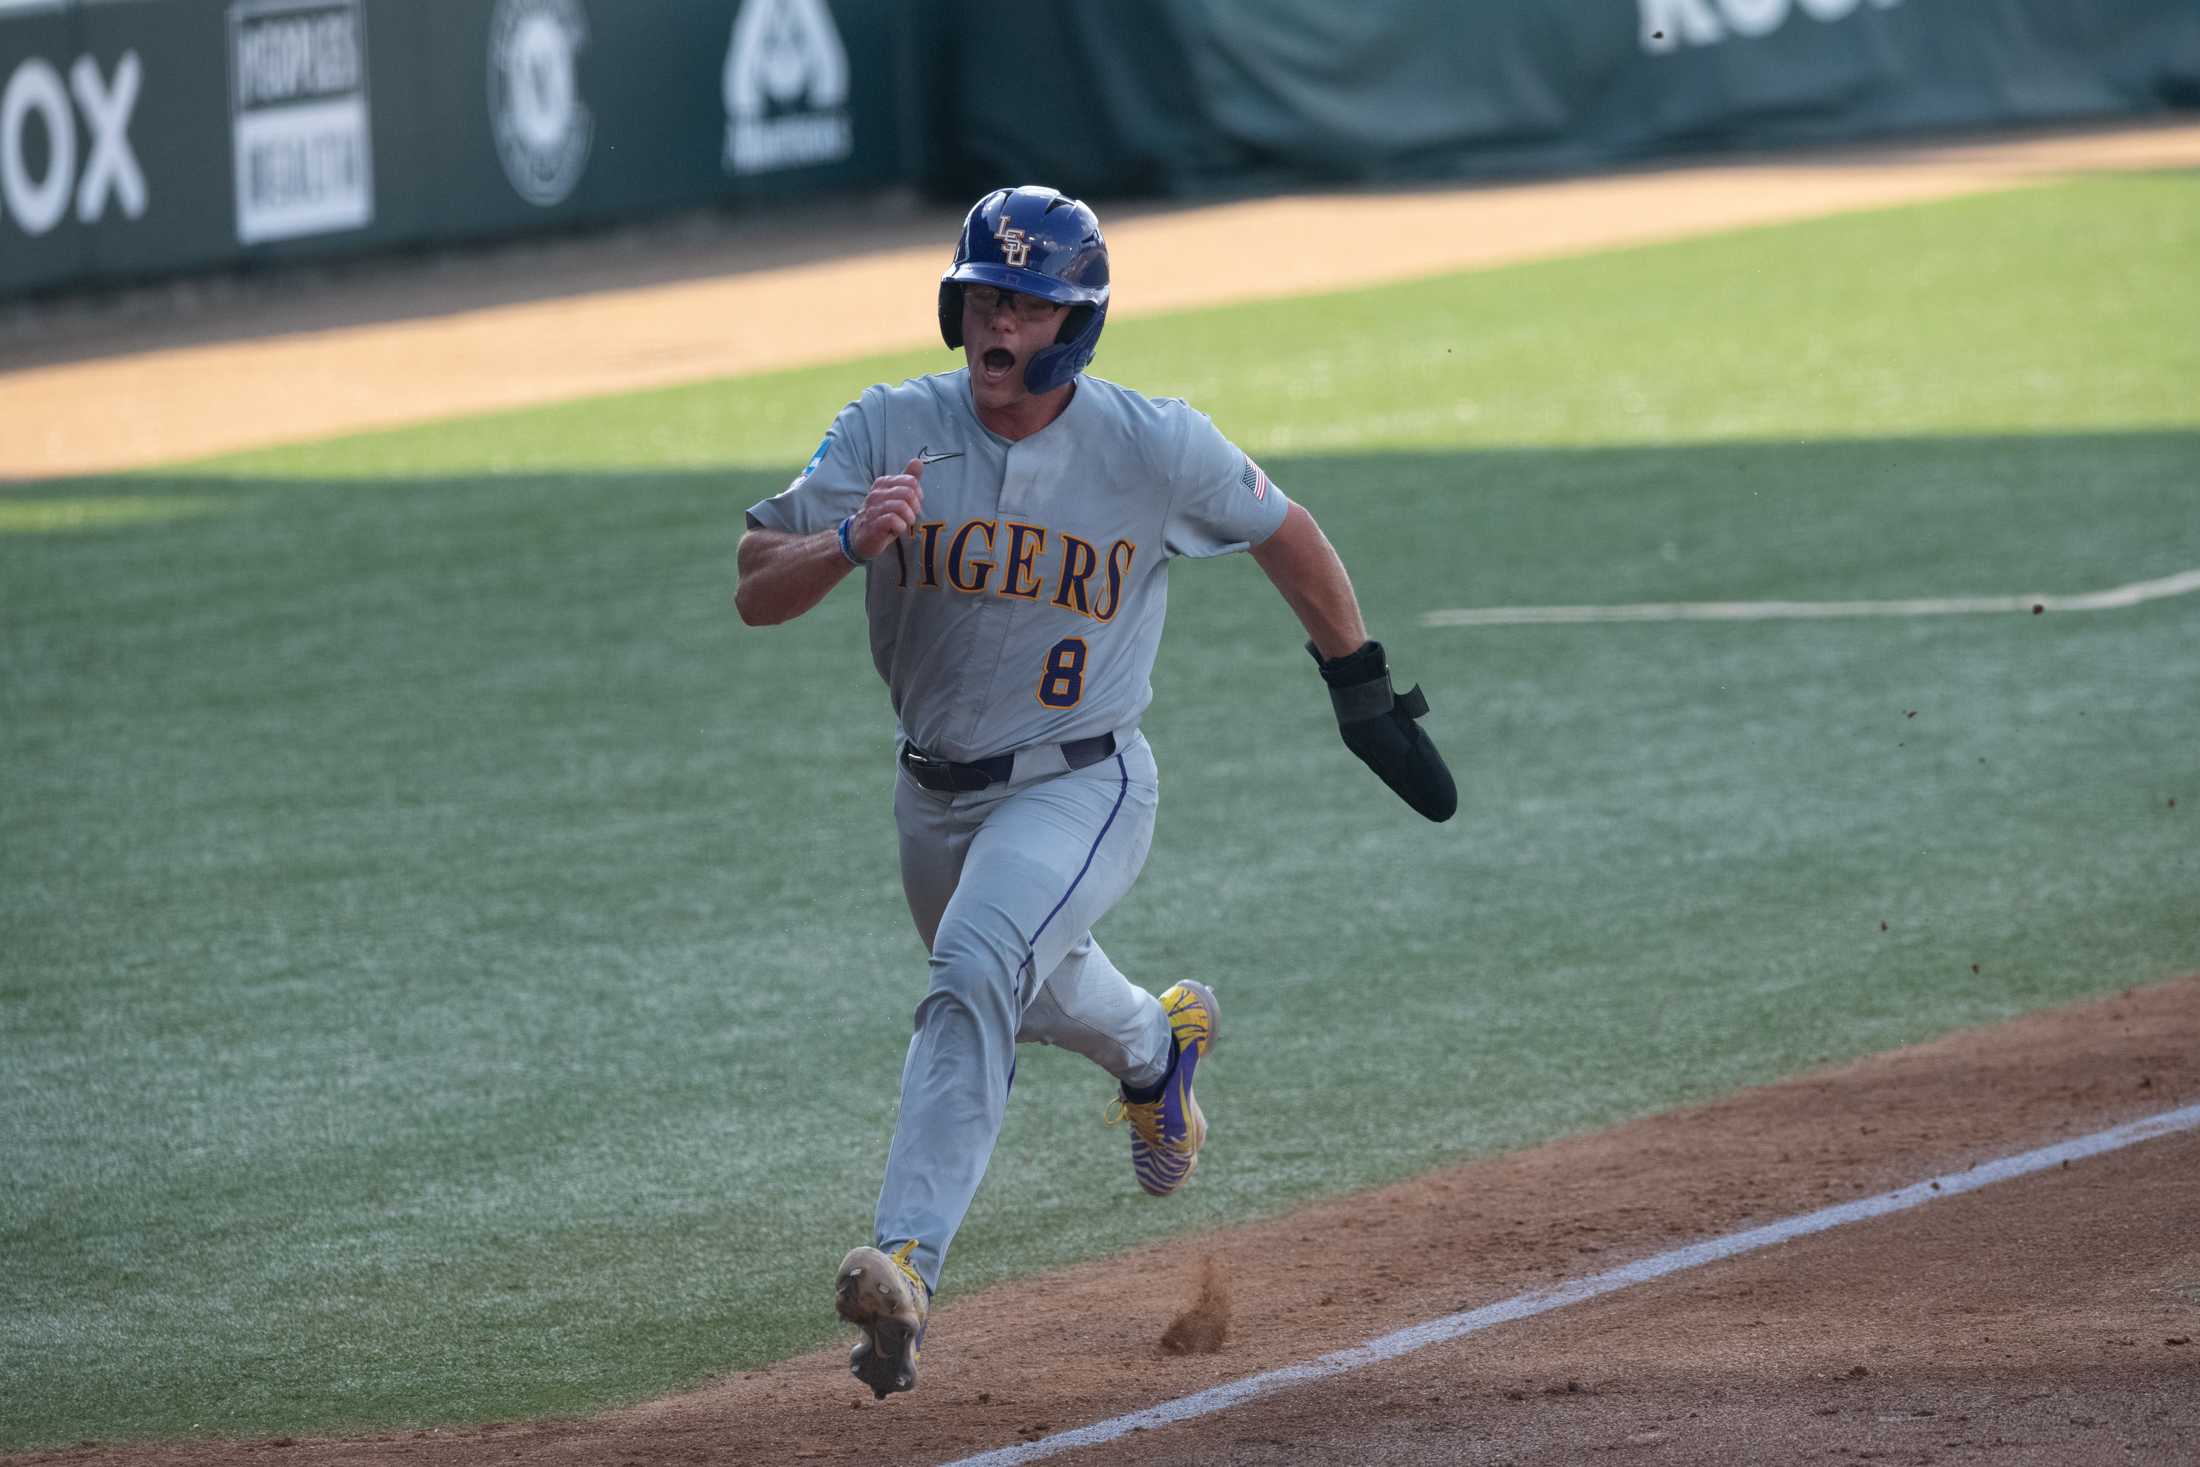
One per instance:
(846, 548)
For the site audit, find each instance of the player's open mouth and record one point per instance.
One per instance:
(997, 363)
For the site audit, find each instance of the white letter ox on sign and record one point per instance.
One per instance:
(111, 167)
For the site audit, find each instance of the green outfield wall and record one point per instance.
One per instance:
(140, 138)
(1253, 94)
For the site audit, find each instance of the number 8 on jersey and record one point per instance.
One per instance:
(1063, 682)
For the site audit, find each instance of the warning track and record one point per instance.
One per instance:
(206, 370)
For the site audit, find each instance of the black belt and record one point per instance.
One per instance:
(946, 776)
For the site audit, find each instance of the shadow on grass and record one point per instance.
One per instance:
(404, 881)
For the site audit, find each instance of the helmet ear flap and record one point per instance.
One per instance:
(951, 314)
(1072, 352)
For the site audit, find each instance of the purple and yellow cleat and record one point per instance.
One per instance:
(1167, 1132)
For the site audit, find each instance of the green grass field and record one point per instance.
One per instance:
(451, 971)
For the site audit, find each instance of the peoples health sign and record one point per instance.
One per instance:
(299, 118)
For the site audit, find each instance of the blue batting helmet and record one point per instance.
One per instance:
(1042, 243)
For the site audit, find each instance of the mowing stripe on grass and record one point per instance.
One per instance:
(1543, 1301)
(2112, 599)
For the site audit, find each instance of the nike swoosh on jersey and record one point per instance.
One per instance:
(927, 456)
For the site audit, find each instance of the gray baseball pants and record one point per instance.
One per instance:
(1005, 884)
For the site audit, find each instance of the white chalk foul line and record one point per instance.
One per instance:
(1542, 1301)
(2112, 599)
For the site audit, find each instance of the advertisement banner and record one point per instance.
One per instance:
(300, 118)
(143, 139)
(786, 88)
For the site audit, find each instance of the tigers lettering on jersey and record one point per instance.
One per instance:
(1038, 566)
(1024, 542)
(961, 565)
(976, 549)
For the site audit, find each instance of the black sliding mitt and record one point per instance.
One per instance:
(1378, 725)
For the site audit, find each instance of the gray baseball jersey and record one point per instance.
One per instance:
(1026, 606)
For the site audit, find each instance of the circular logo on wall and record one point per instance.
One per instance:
(542, 127)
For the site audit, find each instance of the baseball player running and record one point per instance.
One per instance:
(1014, 522)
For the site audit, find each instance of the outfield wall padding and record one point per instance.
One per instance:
(235, 131)
(140, 138)
(1200, 96)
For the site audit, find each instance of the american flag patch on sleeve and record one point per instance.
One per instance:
(1254, 480)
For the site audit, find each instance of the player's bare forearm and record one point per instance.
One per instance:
(783, 575)
(1303, 565)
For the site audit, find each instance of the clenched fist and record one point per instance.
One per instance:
(889, 511)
